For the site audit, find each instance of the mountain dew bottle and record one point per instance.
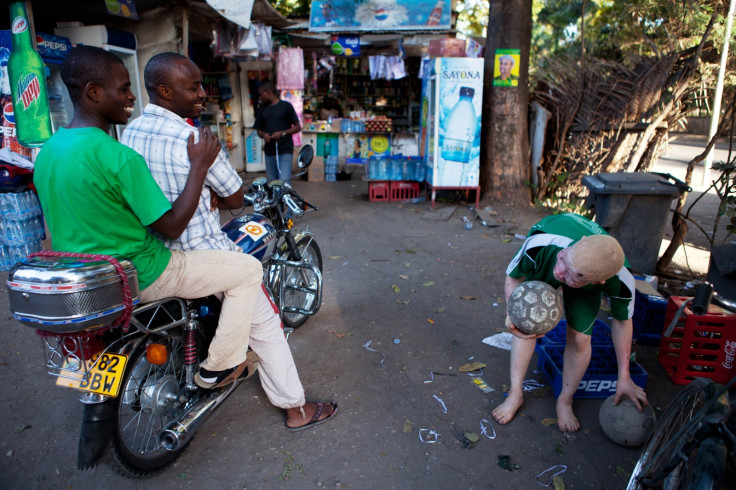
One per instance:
(27, 76)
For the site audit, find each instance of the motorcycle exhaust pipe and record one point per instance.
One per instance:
(179, 432)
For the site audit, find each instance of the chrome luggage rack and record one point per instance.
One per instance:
(70, 356)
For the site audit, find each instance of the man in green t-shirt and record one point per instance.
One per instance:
(571, 252)
(99, 197)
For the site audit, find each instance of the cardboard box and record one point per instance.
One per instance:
(448, 47)
(316, 171)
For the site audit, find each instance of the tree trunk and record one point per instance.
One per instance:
(504, 164)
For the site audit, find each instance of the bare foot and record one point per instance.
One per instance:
(506, 411)
(294, 417)
(566, 419)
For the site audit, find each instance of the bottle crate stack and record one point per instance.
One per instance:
(331, 168)
(698, 346)
(396, 167)
(601, 375)
(21, 227)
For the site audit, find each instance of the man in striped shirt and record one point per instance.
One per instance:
(571, 252)
(174, 84)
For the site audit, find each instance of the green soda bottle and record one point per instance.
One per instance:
(27, 76)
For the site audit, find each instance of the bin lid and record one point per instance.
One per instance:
(631, 183)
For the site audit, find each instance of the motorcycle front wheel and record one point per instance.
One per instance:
(298, 277)
(146, 405)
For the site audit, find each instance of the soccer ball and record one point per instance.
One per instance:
(535, 307)
(623, 424)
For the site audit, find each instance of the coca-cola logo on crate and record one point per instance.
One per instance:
(730, 350)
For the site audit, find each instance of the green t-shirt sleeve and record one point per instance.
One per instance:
(141, 191)
(620, 290)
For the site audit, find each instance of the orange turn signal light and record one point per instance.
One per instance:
(156, 354)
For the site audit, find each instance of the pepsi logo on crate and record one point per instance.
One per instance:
(600, 378)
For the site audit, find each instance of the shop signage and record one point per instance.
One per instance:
(348, 46)
(371, 15)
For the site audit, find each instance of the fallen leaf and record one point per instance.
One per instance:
(454, 247)
(408, 427)
(334, 257)
(406, 302)
(407, 264)
(506, 240)
(21, 428)
(558, 483)
(440, 309)
(469, 298)
(404, 277)
(471, 366)
(504, 461)
(549, 421)
(428, 283)
(472, 436)
(395, 288)
(430, 321)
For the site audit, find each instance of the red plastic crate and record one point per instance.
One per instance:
(378, 191)
(403, 191)
(701, 346)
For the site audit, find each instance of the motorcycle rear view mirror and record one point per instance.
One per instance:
(306, 155)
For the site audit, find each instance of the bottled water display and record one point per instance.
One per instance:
(331, 168)
(460, 128)
(21, 227)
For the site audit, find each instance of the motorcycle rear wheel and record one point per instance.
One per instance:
(311, 254)
(143, 409)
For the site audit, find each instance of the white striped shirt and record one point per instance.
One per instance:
(161, 137)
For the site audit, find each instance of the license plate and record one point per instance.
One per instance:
(104, 375)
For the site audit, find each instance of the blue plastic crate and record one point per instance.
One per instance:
(649, 314)
(600, 377)
(601, 335)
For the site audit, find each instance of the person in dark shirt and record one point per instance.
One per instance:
(275, 123)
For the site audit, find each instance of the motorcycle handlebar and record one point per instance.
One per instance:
(262, 199)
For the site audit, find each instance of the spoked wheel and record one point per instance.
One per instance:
(146, 405)
(684, 410)
(295, 280)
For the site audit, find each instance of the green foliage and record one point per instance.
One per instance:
(618, 31)
(725, 187)
(292, 8)
(472, 17)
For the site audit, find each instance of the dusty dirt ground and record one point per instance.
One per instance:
(423, 293)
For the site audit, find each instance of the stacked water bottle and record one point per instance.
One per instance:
(395, 167)
(21, 227)
(352, 126)
(331, 168)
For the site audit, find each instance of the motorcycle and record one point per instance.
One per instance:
(292, 261)
(134, 364)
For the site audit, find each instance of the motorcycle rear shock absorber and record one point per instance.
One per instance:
(190, 349)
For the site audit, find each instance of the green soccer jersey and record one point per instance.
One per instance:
(98, 197)
(535, 261)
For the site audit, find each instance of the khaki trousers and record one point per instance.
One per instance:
(247, 313)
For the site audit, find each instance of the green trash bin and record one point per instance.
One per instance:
(634, 208)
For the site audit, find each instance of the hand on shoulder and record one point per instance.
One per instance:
(203, 153)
